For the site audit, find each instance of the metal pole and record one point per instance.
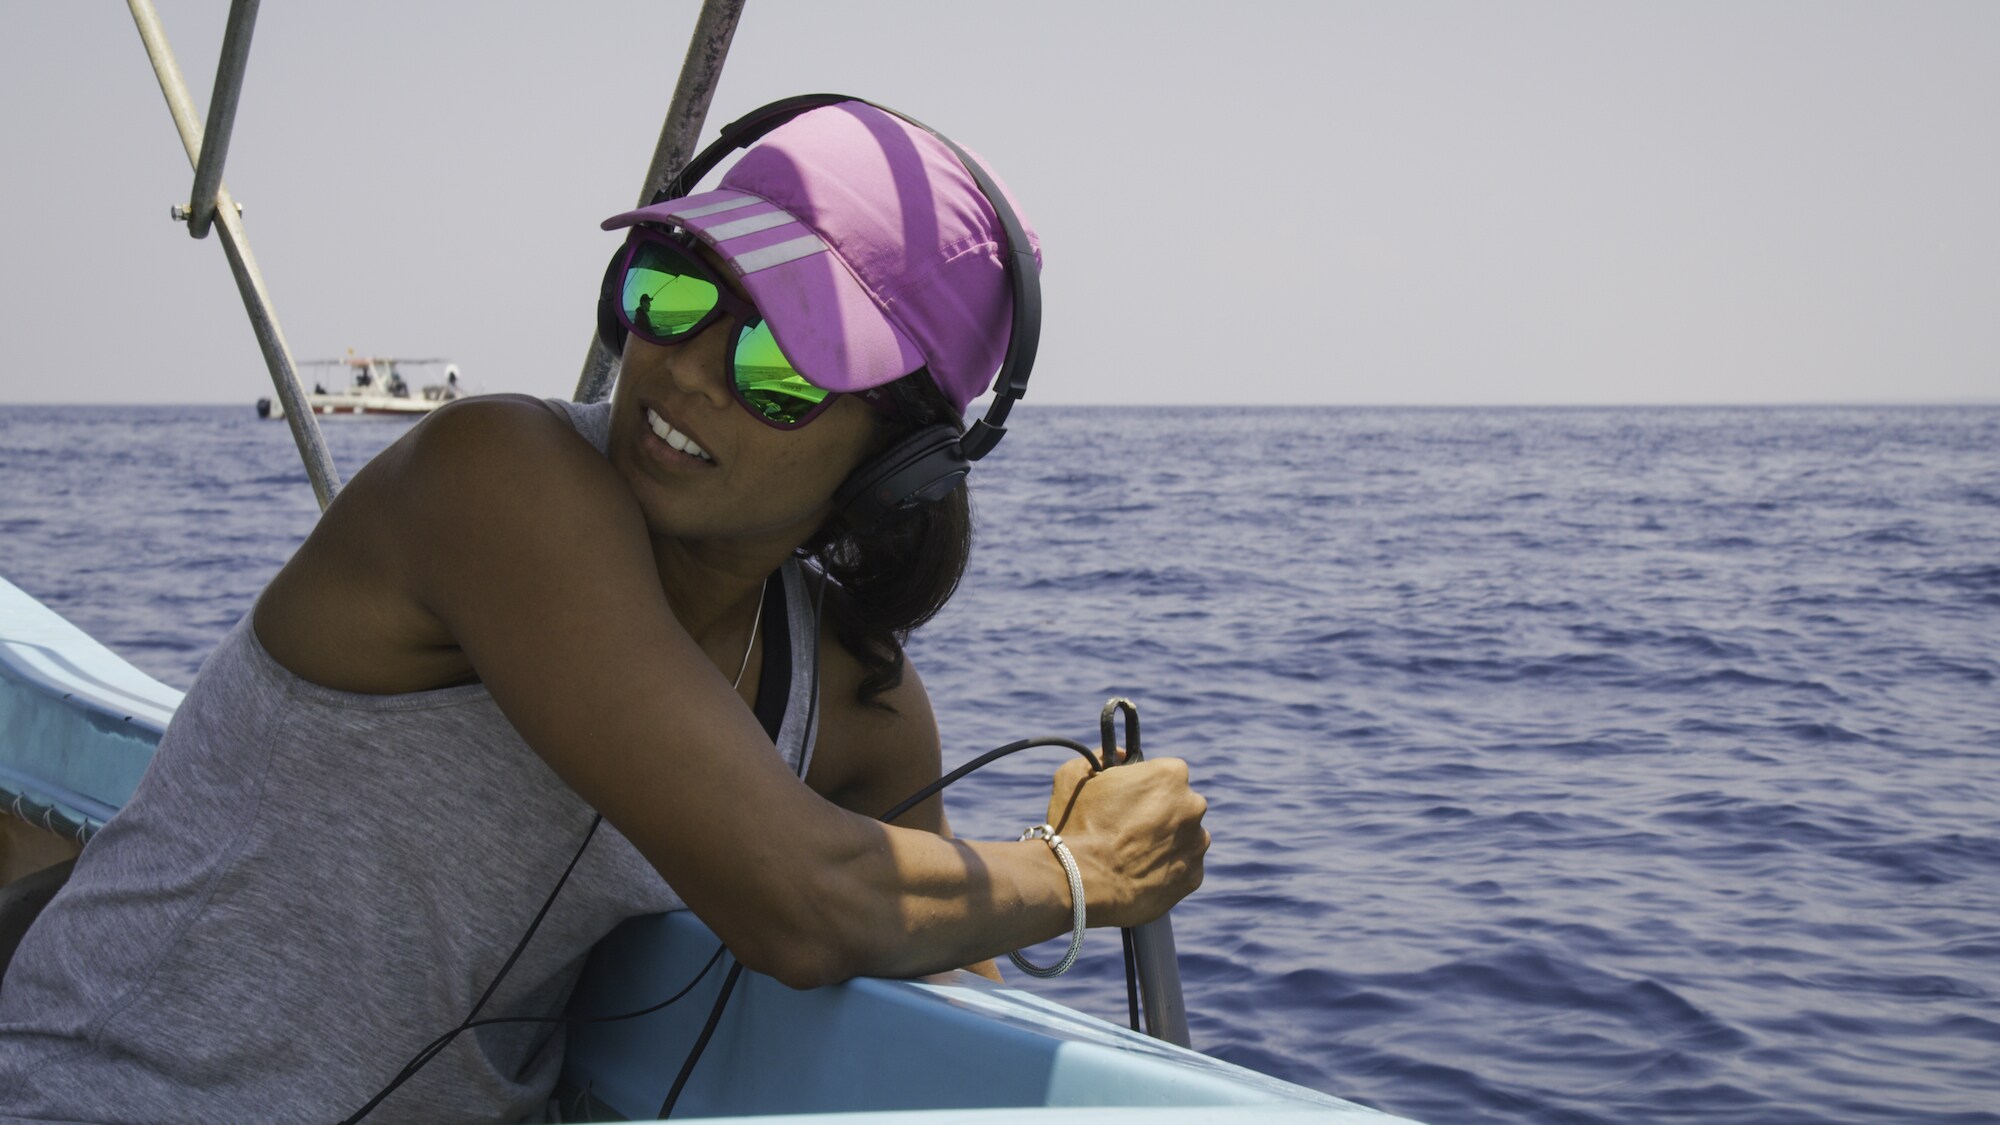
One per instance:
(1160, 981)
(249, 281)
(1156, 962)
(700, 71)
(221, 114)
(600, 370)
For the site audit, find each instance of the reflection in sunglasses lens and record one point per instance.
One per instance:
(768, 383)
(667, 294)
(661, 295)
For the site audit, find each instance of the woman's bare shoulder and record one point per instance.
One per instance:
(504, 427)
(495, 456)
(477, 484)
(487, 480)
(474, 476)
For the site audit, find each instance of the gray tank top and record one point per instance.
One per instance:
(309, 885)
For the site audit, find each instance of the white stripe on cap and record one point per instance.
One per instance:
(729, 204)
(723, 232)
(777, 254)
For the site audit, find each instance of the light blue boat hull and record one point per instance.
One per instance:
(951, 1042)
(78, 725)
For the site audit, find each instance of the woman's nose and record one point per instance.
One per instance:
(699, 367)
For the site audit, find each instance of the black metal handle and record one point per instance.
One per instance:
(1132, 754)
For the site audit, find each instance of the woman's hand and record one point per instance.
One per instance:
(1136, 833)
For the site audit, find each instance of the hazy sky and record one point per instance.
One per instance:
(1259, 203)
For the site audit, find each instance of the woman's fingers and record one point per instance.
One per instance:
(1136, 832)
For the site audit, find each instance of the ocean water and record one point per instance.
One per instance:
(1565, 765)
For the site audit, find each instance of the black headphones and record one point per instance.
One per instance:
(927, 465)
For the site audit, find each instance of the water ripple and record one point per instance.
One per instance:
(1565, 765)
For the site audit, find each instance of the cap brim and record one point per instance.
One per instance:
(830, 326)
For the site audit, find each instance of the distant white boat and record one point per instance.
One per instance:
(375, 386)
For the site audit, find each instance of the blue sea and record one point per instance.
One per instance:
(1565, 765)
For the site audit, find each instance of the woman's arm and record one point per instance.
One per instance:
(527, 548)
(868, 759)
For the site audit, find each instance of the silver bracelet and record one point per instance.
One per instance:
(1056, 845)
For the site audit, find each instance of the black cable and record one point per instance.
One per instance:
(613, 1018)
(928, 791)
(908, 803)
(1131, 975)
(701, 1041)
(729, 985)
(935, 787)
(989, 757)
(437, 1045)
(596, 819)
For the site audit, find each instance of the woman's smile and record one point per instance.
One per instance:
(703, 467)
(671, 445)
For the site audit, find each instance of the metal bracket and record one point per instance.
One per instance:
(235, 244)
(181, 212)
(221, 114)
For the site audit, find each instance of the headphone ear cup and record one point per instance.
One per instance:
(923, 468)
(611, 330)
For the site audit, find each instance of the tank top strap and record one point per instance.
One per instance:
(591, 419)
(800, 728)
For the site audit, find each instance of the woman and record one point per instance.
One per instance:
(524, 614)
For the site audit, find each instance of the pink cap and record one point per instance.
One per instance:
(867, 247)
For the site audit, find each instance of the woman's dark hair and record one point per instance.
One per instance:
(893, 577)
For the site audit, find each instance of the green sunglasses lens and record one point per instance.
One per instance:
(662, 297)
(768, 383)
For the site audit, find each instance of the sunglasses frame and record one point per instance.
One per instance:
(727, 303)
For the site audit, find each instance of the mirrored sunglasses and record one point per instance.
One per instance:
(667, 295)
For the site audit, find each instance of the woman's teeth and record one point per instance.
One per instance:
(676, 438)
